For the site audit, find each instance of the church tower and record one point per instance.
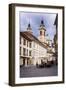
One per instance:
(29, 29)
(42, 32)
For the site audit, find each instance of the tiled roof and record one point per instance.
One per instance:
(23, 34)
(27, 35)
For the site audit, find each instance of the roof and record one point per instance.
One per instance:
(23, 34)
(27, 35)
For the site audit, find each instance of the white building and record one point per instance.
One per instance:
(32, 49)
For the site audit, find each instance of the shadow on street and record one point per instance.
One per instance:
(33, 71)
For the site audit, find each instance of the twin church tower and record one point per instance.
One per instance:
(42, 30)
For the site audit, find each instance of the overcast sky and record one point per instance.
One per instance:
(35, 20)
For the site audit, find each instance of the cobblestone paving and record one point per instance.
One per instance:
(32, 71)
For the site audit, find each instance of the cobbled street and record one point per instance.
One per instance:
(33, 71)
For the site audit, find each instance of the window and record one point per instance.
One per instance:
(29, 53)
(30, 44)
(24, 42)
(27, 43)
(20, 50)
(24, 51)
(40, 32)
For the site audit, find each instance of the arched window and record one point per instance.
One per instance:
(40, 32)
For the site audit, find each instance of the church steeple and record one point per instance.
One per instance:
(42, 22)
(42, 32)
(29, 29)
(42, 25)
(29, 25)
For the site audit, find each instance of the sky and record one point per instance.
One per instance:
(35, 20)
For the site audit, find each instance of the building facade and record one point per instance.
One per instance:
(34, 50)
(25, 50)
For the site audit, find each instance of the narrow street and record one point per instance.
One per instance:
(33, 71)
